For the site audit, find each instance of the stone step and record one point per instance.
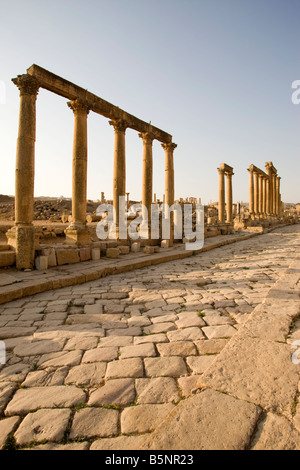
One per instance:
(7, 258)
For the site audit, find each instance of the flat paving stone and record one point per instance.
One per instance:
(7, 426)
(26, 400)
(157, 390)
(94, 422)
(140, 350)
(86, 374)
(49, 425)
(220, 331)
(59, 359)
(143, 418)
(177, 348)
(36, 348)
(124, 368)
(171, 366)
(100, 355)
(186, 334)
(120, 392)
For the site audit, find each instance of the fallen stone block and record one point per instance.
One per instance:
(149, 250)
(96, 254)
(41, 263)
(124, 250)
(165, 244)
(85, 254)
(65, 256)
(50, 253)
(112, 252)
(135, 247)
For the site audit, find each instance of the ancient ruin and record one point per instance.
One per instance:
(29, 246)
(164, 348)
(22, 237)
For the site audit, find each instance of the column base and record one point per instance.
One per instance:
(78, 234)
(24, 240)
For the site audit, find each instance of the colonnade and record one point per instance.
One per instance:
(21, 236)
(264, 191)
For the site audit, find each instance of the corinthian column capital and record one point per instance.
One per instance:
(147, 137)
(27, 85)
(78, 107)
(169, 146)
(119, 125)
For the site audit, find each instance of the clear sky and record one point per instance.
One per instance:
(215, 74)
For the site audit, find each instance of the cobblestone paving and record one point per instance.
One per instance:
(98, 366)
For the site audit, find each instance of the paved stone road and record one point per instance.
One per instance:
(100, 365)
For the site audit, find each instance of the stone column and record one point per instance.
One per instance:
(260, 194)
(221, 209)
(264, 204)
(169, 172)
(229, 196)
(119, 176)
(256, 193)
(251, 192)
(278, 178)
(77, 232)
(21, 236)
(147, 176)
(274, 192)
(169, 183)
(268, 207)
(269, 188)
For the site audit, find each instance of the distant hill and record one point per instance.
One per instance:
(4, 198)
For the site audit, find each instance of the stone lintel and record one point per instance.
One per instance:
(226, 168)
(255, 169)
(69, 90)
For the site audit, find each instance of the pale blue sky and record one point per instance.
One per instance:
(216, 74)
